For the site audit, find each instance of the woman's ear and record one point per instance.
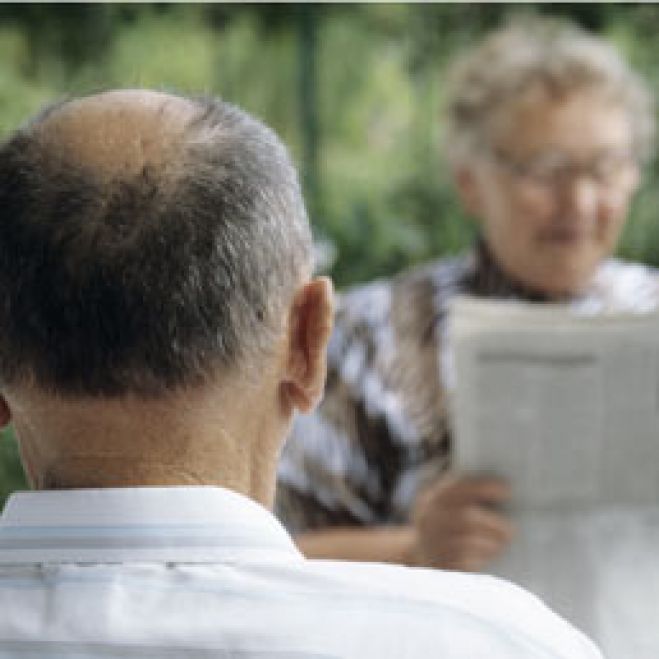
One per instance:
(468, 188)
(310, 326)
(635, 178)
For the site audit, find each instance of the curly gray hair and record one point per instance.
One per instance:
(530, 53)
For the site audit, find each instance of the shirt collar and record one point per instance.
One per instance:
(172, 524)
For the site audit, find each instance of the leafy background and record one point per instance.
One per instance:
(355, 90)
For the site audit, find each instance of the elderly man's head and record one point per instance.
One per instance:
(547, 128)
(152, 247)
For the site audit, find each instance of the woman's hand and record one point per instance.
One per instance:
(458, 524)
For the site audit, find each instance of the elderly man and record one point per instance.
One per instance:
(159, 331)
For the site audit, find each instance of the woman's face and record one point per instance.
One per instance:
(552, 193)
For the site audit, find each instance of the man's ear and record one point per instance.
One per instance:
(5, 414)
(468, 189)
(310, 326)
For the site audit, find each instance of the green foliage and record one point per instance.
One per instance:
(11, 472)
(355, 90)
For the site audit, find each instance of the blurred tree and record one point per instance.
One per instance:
(307, 19)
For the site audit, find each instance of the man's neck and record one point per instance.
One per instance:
(195, 438)
(95, 473)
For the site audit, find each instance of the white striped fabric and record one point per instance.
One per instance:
(204, 572)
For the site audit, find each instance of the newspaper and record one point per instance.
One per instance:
(566, 408)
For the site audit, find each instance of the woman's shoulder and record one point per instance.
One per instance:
(373, 299)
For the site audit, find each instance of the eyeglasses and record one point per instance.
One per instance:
(553, 169)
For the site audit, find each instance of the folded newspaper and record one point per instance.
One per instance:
(565, 406)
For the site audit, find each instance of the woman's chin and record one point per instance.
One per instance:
(561, 285)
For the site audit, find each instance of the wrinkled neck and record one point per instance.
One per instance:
(204, 437)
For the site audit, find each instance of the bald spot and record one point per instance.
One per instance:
(117, 134)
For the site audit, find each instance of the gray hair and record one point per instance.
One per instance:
(529, 52)
(150, 280)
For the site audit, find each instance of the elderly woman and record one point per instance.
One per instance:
(547, 129)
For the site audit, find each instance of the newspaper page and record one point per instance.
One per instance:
(566, 408)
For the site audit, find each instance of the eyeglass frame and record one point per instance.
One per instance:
(566, 169)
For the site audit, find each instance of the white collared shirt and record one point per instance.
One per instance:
(205, 572)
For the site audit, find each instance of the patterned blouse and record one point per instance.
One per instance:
(381, 431)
